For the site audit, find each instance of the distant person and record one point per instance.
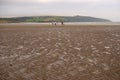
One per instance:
(52, 23)
(62, 22)
(55, 23)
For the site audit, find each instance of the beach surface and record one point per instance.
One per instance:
(61, 52)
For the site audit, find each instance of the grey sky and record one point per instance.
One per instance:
(109, 9)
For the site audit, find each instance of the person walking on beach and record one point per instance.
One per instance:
(55, 23)
(62, 22)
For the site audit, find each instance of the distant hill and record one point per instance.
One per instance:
(54, 18)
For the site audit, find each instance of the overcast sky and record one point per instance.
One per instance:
(109, 9)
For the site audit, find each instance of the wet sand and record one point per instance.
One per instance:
(68, 52)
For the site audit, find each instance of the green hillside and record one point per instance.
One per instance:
(54, 18)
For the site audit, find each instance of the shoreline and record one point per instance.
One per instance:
(65, 23)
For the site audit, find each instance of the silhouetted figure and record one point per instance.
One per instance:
(62, 22)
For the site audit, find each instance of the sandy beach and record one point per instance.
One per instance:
(62, 52)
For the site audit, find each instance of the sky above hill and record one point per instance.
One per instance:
(109, 9)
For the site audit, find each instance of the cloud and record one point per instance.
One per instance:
(43, 1)
(48, 1)
(97, 8)
(66, 0)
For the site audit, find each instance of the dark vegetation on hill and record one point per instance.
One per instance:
(54, 18)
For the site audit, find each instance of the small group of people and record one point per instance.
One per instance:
(55, 23)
